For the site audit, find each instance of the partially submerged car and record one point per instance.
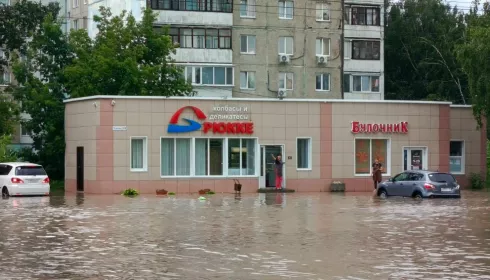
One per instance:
(21, 178)
(420, 184)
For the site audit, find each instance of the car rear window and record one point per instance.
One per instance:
(441, 177)
(29, 171)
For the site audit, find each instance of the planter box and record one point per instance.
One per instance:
(162, 192)
(337, 187)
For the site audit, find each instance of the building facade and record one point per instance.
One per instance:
(186, 144)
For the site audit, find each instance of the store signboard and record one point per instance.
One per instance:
(358, 127)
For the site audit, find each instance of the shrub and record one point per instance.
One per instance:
(476, 181)
(210, 192)
(130, 192)
(171, 193)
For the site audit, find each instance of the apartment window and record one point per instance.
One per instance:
(247, 8)
(75, 24)
(139, 154)
(4, 77)
(200, 38)
(175, 157)
(76, 3)
(285, 81)
(225, 6)
(456, 157)
(286, 45)
(322, 12)
(209, 75)
(247, 44)
(209, 157)
(323, 46)
(241, 157)
(365, 16)
(323, 82)
(347, 49)
(24, 131)
(365, 83)
(367, 150)
(247, 80)
(286, 9)
(366, 50)
(303, 156)
(85, 22)
(346, 82)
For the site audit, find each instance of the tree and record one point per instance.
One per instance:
(125, 58)
(474, 55)
(420, 41)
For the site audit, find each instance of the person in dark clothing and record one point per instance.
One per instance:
(278, 169)
(377, 173)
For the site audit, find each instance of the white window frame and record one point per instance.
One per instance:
(322, 6)
(370, 83)
(248, 46)
(76, 3)
(283, 40)
(281, 4)
(462, 157)
(251, 8)
(322, 51)
(214, 75)
(386, 165)
(247, 75)
(284, 76)
(225, 158)
(145, 153)
(329, 82)
(193, 160)
(6, 78)
(310, 153)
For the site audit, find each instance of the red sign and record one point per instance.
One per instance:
(401, 127)
(214, 127)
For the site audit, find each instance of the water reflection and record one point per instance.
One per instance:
(264, 236)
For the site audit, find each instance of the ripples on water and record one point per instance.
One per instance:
(277, 236)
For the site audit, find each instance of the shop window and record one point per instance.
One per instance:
(456, 156)
(138, 154)
(367, 150)
(286, 9)
(171, 164)
(209, 157)
(303, 156)
(241, 157)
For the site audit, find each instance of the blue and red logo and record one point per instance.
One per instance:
(215, 127)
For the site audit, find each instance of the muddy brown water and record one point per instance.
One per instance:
(273, 236)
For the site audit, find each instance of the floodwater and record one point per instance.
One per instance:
(273, 236)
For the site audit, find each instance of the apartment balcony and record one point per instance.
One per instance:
(363, 31)
(203, 55)
(194, 12)
(359, 65)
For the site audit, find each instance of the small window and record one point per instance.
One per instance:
(247, 80)
(347, 82)
(34, 170)
(286, 45)
(285, 81)
(75, 24)
(247, 8)
(322, 12)
(303, 153)
(323, 82)
(24, 131)
(138, 154)
(286, 9)
(4, 76)
(365, 83)
(247, 44)
(456, 157)
(322, 46)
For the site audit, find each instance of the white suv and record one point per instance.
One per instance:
(23, 178)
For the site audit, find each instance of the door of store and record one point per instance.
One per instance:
(414, 158)
(267, 178)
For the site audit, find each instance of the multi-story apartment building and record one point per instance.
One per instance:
(77, 12)
(363, 49)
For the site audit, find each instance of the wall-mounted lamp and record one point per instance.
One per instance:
(113, 102)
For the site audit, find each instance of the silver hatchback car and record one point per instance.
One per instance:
(420, 184)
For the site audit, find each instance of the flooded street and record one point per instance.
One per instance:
(283, 236)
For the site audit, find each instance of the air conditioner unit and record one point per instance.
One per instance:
(321, 59)
(281, 94)
(284, 58)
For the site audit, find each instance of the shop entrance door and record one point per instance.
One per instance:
(415, 158)
(267, 178)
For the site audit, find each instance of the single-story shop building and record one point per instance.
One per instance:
(187, 144)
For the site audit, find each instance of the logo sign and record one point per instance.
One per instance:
(207, 126)
(401, 127)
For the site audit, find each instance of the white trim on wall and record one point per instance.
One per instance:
(145, 153)
(310, 153)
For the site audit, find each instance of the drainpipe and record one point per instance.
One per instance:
(342, 20)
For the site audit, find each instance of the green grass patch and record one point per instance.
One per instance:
(57, 185)
(130, 192)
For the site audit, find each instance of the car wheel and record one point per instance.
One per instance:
(417, 196)
(383, 194)
(5, 192)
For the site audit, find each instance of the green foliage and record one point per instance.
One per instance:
(171, 193)
(474, 54)
(420, 41)
(210, 192)
(9, 116)
(130, 192)
(6, 154)
(476, 181)
(125, 58)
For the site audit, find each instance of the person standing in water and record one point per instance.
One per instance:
(278, 169)
(377, 173)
